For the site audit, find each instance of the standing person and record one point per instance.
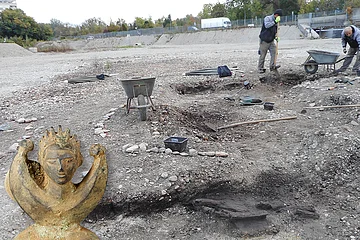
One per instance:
(350, 35)
(267, 37)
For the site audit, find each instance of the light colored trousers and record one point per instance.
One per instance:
(264, 48)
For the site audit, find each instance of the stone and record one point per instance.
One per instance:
(132, 149)
(142, 147)
(154, 150)
(98, 131)
(126, 146)
(173, 178)
(13, 147)
(210, 154)
(192, 152)
(168, 151)
(354, 123)
(221, 154)
(164, 175)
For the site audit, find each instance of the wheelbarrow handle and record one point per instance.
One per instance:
(341, 59)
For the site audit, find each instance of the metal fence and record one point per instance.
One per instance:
(322, 14)
(292, 19)
(257, 22)
(138, 32)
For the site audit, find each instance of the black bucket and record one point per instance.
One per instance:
(176, 143)
(268, 106)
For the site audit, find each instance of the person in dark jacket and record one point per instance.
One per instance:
(267, 37)
(350, 35)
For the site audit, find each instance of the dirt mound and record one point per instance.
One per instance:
(13, 50)
(243, 35)
(233, 36)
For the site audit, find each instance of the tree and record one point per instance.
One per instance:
(351, 3)
(122, 24)
(245, 9)
(62, 29)
(45, 32)
(113, 27)
(93, 25)
(167, 21)
(206, 12)
(289, 6)
(218, 10)
(15, 23)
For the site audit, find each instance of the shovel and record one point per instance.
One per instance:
(277, 51)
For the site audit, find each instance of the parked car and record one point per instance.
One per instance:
(192, 29)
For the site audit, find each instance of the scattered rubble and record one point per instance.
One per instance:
(271, 180)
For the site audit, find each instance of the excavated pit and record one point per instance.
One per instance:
(248, 209)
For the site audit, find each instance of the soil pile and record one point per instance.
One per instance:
(13, 50)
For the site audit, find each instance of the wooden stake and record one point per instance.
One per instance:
(257, 121)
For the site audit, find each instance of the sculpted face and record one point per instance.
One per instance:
(59, 164)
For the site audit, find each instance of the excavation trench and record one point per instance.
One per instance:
(248, 209)
(263, 206)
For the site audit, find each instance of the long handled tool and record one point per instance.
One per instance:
(257, 121)
(277, 51)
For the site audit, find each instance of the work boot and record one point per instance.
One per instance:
(261, 70)
(272, 68)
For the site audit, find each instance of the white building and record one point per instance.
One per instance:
(5, 4)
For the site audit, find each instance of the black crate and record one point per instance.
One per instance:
(177, 144)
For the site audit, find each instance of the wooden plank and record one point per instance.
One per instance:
(257, 121)
(335, 106)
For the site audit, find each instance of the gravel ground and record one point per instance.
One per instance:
(301, 173)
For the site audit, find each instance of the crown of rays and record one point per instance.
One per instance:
(61, 138)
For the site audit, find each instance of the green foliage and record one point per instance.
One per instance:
(93, 25)
(352, 4)
(22, 29)
(15, 24)
(143, 23)
(206, 12)
(63, 29)
(167, 22)
(326, 5)
(20, 41)
(289, 6)
(112, 27)
(122, 24)
(218, 10)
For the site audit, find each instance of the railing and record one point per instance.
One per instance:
(257, 22)
(336, 18)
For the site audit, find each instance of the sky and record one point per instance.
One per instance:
(77, 11)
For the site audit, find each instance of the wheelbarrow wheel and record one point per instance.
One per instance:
(311, 66)
(142, 110)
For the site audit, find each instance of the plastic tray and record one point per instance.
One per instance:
(176, 143)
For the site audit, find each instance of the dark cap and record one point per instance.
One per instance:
(278, 12)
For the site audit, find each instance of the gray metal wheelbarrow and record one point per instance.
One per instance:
(317, 57)
(140, 88)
